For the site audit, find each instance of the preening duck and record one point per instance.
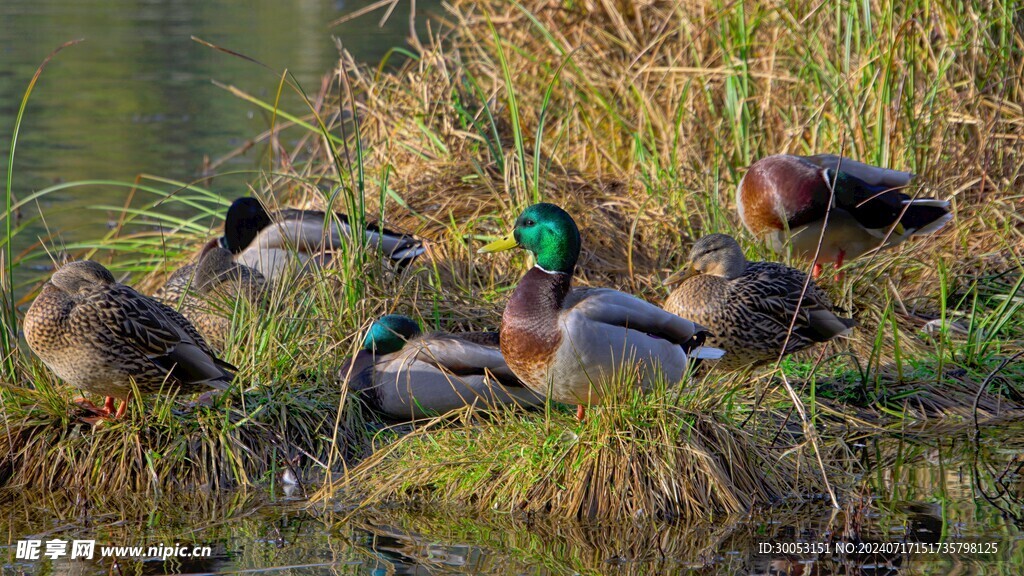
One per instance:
(100, 336)
(272, 242)
(784, 199)
(405, 374)
(570, 344)
(750, 307)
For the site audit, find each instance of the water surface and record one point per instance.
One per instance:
(136, 96)
(915, 494)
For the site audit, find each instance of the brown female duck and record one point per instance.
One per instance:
(208, 291)
(102, 336)
(749, 307)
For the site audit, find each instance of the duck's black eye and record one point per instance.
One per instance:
(528, 222)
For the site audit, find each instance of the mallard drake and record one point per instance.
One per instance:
(100, 336)
(207, 290)
(569, 344)
(272, 242)
(750, 306)
(405, 374)
(785, 197)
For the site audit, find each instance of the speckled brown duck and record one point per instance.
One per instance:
(749, 306)
(209, 290)
(570, 344)
(100, 336)
(784, 199)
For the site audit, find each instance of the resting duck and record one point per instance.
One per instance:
(101, 336)
(569, 344)
(786, 195)
(405, 375)
(750, 306)
(273, 242)
(208, 290)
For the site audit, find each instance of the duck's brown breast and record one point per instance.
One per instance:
(530, 336)
(781, 191)
(46, 321)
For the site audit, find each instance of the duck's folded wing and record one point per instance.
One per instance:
(307, 230)
(163, 336)
(874, 206)
(304, 235)
(777, 296)
(483, 338)
(620, 309)
(357, 371)
(771, 298)
(463, 358)
(873, 175)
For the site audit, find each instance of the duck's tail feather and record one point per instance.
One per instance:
(229, 368)
(925, 215)
(707, 353)
(825, 325)
(395, 245)
(191, 364)
(398, 247)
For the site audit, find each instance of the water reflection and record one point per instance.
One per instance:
(255, 533)
(901, 497)
(136, 96)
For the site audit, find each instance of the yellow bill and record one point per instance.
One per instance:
(681, 276)
(508, 242)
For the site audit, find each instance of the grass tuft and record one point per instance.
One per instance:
(670, 454)
(212, 444)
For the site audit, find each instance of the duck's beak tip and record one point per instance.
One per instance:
(507, 242)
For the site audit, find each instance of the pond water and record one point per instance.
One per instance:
(914, 495)
(136, 95)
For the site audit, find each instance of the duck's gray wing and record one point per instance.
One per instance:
(463, 357)
(624, 310)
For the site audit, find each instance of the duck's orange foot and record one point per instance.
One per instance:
(840, 275)
(85, 403)
(581, 411)
(107, 412)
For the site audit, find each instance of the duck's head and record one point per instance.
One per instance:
(390, 333)
(715, 255)
(81, 276)
(213, 264)
(549, 233)
(244, 220)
